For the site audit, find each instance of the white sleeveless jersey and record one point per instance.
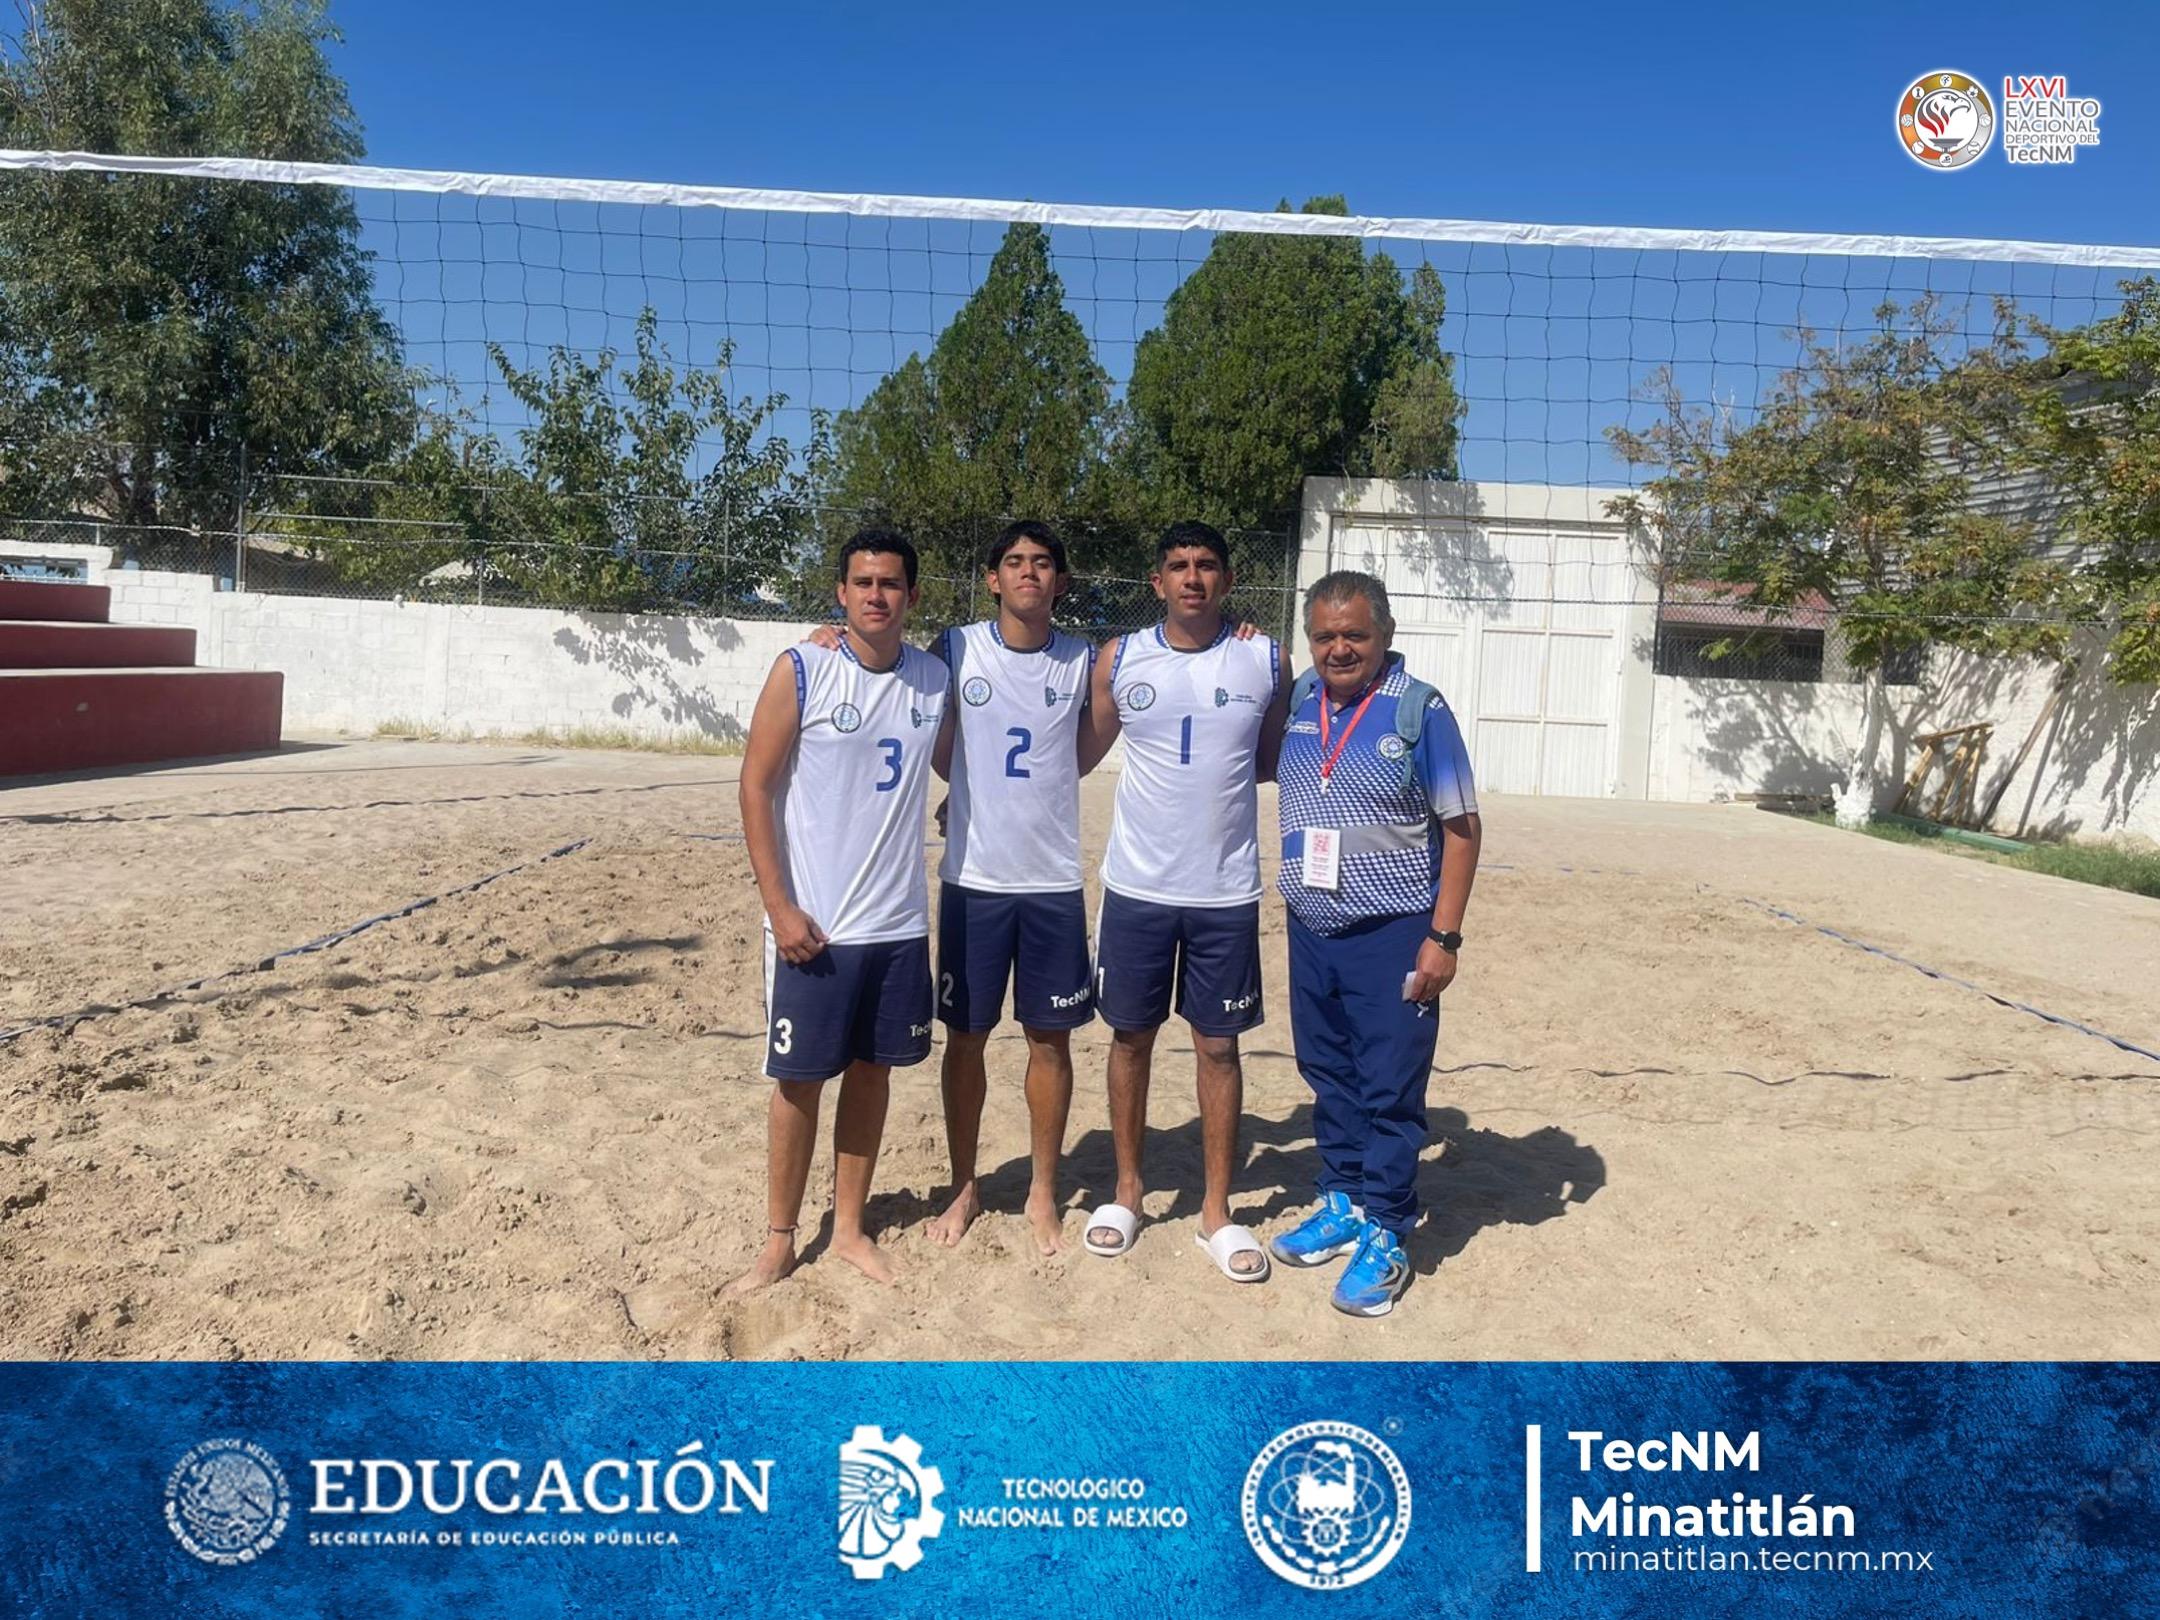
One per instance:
(851, 803)
(1185, 829)
(1013, 825)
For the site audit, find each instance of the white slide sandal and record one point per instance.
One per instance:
(1228, 1242)
(1117, 1218)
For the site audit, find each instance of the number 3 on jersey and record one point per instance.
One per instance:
(891, 746)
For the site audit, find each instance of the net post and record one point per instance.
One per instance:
(240, 528)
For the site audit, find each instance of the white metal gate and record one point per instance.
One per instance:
(1519, 614)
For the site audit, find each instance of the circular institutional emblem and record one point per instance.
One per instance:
(846, 718)
(976, 691)
(1326, 1505)
(1393, 747)
(1140, 697)
(1945, 119)
(888, 1503)
(226, 1501)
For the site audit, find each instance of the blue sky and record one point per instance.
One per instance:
(1735, 116)
(1730, 115)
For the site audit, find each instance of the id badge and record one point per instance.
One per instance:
(1323, 858)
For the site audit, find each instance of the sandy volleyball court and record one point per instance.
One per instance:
(528, 1122)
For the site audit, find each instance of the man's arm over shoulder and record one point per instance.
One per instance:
(1277, 715)
(1099, 718)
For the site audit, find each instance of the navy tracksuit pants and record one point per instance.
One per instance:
(1367, 1054)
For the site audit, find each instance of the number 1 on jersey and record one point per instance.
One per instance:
(1184, 742)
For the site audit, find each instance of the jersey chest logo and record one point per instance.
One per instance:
(976, 691)
(847, 718)
(1139, 697)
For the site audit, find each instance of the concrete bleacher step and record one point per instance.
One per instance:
(55, 599)
(80, 718)
(62, 644)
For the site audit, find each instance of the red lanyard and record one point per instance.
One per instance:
(1327, 758)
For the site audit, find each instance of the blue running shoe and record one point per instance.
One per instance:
(1375, 1278)
(1335, 1228)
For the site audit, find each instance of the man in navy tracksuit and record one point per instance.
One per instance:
(1380, 838)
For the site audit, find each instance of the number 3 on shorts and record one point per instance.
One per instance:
(783, 1036)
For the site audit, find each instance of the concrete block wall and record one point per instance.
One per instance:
(2093, 771)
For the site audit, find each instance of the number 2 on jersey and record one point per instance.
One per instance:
(891, 745)
(1024, 742)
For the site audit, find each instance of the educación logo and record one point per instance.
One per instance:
(888, 1503)
(1326, 1505)
(226, 1502)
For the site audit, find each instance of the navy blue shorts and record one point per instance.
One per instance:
(1039, 940)
(847, 1004)
(1210, 954)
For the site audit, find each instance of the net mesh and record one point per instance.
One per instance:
(658, 407)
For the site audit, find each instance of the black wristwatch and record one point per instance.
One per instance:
(1447, 939)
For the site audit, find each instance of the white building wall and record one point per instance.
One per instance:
(2093, 771)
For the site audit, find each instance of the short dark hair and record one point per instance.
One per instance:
(1027, 529)
(1192, 532)
(890, 541)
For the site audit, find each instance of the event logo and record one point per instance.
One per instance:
(1050, 697)
(1326, 1505)
(1392, 746)
(976, 691)
(2042, 122)
(846, 718)
(1139, 697)
(888, 1503)
(226, 1502)
(1945, 119)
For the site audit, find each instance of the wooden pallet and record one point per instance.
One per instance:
(1953, 803)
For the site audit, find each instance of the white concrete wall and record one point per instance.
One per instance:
(352, 666)
(2093, 771)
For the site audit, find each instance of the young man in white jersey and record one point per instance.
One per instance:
(1201, 712)
(1010, 902)
(834, 782)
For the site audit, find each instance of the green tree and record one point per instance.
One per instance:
(1283, 357)
(630, 487)
(160, 334)
(1005, 417)
(2092, 430)
(1854, 486)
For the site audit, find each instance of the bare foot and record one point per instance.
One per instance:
(949, 1228)
(865, 1256)
(774, 1261)
(1047, 1222)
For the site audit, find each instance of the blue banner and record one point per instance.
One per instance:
(1084, 1490)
